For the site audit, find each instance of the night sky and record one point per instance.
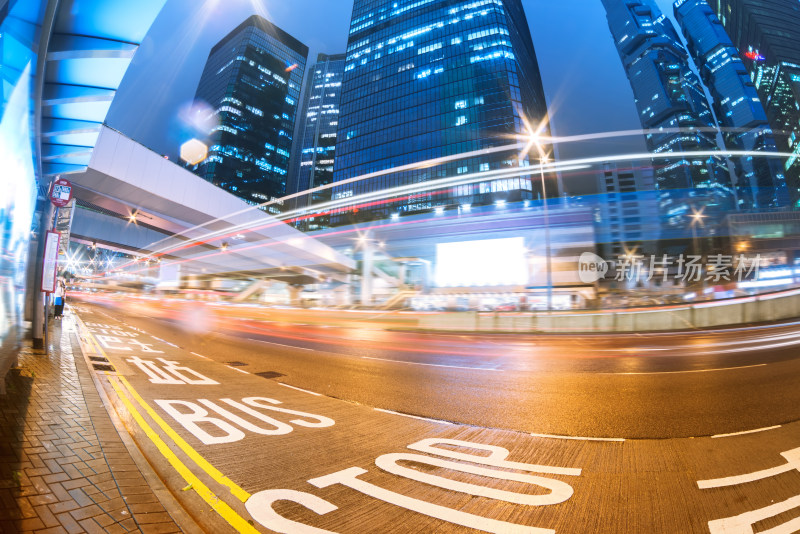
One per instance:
(584, 81)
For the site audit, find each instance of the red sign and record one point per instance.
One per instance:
(755, 56)
(61, 193)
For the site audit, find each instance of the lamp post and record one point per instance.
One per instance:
(697, 218)
(548, 261)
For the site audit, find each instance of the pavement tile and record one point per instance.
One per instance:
(64, 506)
(80, 497)
(58, 477)
(85, 512)
(63, 467)
(47, 498)
(146, 508)
(78, 483)
(60, 492)
(115, 528)
(104, 520)
(158, 528)
(72, 471)
(120, 514)
(33, 523)
(129, 525)
(141, 498)
(153, 517)
(91, 526)
(48, 518)
(54, 530)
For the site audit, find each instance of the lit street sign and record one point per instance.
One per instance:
(61, 193)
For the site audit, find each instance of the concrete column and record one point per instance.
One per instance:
(31, 282)
(427, 276)
(39, 322)
(401, 274)
(366, 274)
(344, 293)
(294, 295)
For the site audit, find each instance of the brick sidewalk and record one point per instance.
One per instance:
(63, 466)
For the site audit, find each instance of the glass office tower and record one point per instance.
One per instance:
(761, 182)
(315, 151)
(767, 33)
(431, 78)
(252, 80)
(672, 108)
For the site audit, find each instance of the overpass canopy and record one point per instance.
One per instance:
(128, 191)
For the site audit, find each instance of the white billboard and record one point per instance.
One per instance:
(487, 262)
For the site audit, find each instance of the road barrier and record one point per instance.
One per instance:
(748, 310)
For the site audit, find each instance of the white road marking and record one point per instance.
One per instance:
(743, 523)
(746, 432)
(279, 344)
(300, 389)
(692, 371)
(200, 355)
(433, 364)
(163, 341)
(580, 438)
(235, 369)
(741, 479)
(414, 417)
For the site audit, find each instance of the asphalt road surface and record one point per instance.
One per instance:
(260, 426)
(633, 386)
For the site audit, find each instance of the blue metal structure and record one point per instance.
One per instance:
(89, 45)
(61, 62)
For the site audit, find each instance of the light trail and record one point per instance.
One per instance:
(482, 177)
(432, 185)
(409, 167)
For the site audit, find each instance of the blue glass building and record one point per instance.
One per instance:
(252, 80)
(313, 160)
(673, 108)
(767, 33)
(761, 182)
(431, 78)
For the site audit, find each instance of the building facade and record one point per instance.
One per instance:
(673, 109)
(761, 183)
(315, 150)
(767, 33)
(626, 201)
(432, 78)
(252, 81)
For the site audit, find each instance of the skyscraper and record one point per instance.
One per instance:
(252, 80)
(431, 78)
(626, 201)
(761, 181)
(767, 33)
(315, 150)
(672, 108)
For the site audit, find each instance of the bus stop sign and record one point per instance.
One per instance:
(61, 193)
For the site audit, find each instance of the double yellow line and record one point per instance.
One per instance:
(226, 512)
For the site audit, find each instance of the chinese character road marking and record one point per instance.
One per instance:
(743, 523)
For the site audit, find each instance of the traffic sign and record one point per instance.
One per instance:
(61, 193)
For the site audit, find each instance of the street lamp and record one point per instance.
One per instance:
(536, 141)
(697, 218)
